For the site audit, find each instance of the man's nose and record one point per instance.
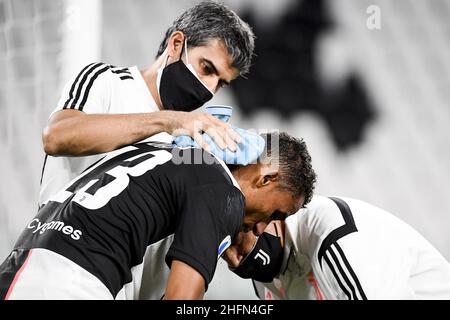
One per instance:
(259, 228)
(211, 82)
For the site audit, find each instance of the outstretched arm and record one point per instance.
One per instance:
(75, 133)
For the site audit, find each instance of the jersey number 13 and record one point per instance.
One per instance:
(97, 185)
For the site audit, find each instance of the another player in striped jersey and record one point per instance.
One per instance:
(106, 107)
(343, 249)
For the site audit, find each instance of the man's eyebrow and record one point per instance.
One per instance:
(214, 69)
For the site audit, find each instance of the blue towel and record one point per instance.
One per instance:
(248, 151)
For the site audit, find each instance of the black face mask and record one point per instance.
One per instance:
(263, 263)
(179, 88)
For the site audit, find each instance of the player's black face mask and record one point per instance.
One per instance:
(179, 87)
(263, 263)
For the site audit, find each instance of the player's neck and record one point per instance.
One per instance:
(239, 173)
(150, 74)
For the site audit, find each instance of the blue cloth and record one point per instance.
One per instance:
(248, 151)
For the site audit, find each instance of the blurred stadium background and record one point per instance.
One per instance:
(372, 103)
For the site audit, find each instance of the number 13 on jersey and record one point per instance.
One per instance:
(94, 189)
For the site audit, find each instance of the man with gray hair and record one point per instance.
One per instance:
(105, 107)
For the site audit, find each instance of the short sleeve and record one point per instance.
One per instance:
(210, 218)
(89, 90)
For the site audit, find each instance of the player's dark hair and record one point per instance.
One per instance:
(291, 155)
(211, 20)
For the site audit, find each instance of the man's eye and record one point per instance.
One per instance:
(206, 69)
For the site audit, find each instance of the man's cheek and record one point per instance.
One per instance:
(248, 243)
(232, 257)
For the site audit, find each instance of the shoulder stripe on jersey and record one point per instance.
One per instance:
(72, 88)
(336, 234)
(330, 265)
(351, 271)
(124, 73)
(126, 77)
(119, 71)
(344, 276)
(344, 272)
(330, 247)
(73, 102)
(88, 88)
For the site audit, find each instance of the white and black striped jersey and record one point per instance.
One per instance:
(105, 221)
(97, 88)
(341, 248)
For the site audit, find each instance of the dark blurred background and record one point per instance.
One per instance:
(366, 83)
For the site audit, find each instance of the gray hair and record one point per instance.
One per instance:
(210, 20)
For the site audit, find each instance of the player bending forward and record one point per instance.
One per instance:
(341, 248)
(109, 232)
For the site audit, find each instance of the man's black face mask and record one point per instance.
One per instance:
(263, 263)
(179, 87)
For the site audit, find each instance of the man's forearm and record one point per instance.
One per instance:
(86, 134)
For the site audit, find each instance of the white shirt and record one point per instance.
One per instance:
(361, 252)
(97, 88)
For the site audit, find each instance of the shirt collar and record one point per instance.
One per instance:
(140, 82)
(235, 183)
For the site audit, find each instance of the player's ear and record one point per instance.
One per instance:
(175, 45)
(267, 176)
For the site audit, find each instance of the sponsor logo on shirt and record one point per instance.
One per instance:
(59, 226)
(263, 256)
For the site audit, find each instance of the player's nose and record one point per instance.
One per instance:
(211, 82)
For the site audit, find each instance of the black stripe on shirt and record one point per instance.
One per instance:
(327, 260)
(72, 88)
(120, 71)
(256, 290)
(43, 169)
(126, 77)
(344, 275)
(350, 270)
(331, 239)
(81, 84)
(88, 88)
(336, 234)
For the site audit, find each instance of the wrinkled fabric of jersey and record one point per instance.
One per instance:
(247, 152)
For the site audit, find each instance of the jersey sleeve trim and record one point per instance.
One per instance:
(175, 254)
